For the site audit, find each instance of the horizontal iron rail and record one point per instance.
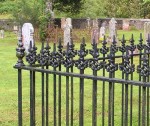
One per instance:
(100, 58)
(107, 79)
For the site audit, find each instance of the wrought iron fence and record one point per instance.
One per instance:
(112, 81)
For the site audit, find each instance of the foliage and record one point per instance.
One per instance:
(123, 8)
(33, 12)
(6, 6)
(68, 6)
(92, 9)
(145, 10)
(43, 23)
(77, 8)
(26, 11)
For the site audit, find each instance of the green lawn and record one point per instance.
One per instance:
(8, 90)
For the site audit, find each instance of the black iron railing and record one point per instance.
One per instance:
(111, 66)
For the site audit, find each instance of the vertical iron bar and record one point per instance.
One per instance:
(113, 98)
(32, 118)
(81, 112)
(148, 79)
(139, 107)
(110, 101)
(131, 92)
(72, 97)
(67, 98)
(144, 103)
(140, 47)
(19, 97)
(43, 100)
(103, 95)
(126, 103)
(94, 104)
(148, 106)
(59, 99)
(47, 96)
(122, 113)
(123, 50)
(54, 88)
(34, 96)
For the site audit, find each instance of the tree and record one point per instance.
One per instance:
(71, 6)
(92, 9)
(145, 9)
(6, 6)
(123, 8)
(27, 11)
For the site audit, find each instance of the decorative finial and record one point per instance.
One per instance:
(20, 50)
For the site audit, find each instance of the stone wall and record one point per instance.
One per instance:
(7, 24)
(82, 23)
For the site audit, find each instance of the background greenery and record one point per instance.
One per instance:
(81, 8)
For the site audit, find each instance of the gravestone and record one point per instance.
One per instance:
(112, 29)
(146, 29)
(67, 31)
(102, 33)
(49, 8)
(95, 31)
(88, 22)
(125, 25)
(63, 21)
(15, 29)
(27, 35)
(1, 33)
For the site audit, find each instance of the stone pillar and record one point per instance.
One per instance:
(67, 26)
(146, 29)
(112, 29)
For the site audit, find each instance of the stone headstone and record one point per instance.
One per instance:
(49, 8)
(112, 28)
(102, 33)
(104, 24)
(88, 22)
(146, 29)
(95, 23)
(138, 25)
(67, 26)
(63, 21)
(125, 25)
(1, 33)
(27, 35)
(95, 31)
(15, 29)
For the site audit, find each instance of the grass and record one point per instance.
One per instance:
(5, 16)
(8, 90)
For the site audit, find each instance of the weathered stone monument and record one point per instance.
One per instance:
(49, 8)
(15, 29)
(27, 35)
(88, 22)
(95, 31)
(146, 29)
(112, 29)
(102, 31)
(63, 21)
(125, 25)
(1, 33)
(67, 26)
